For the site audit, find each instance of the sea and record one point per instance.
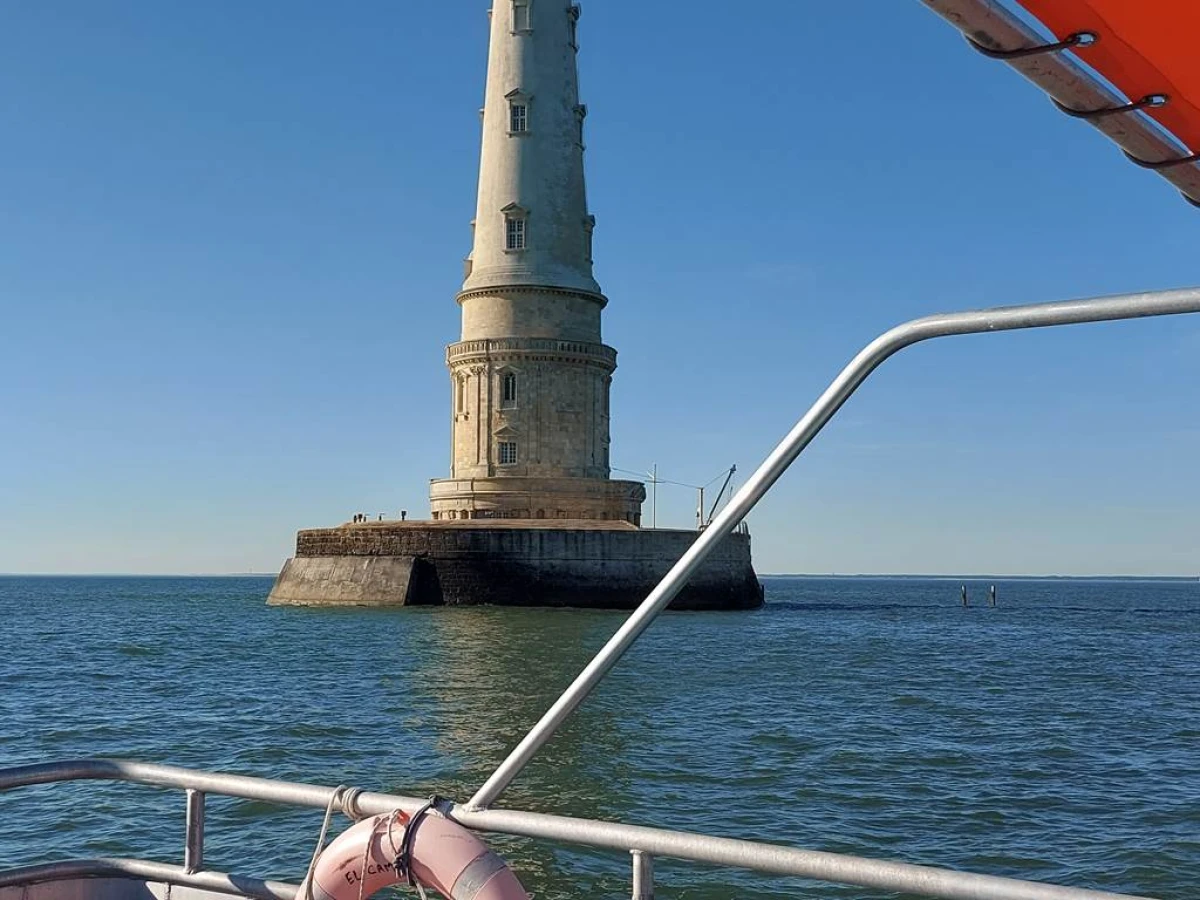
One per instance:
(1054, 737)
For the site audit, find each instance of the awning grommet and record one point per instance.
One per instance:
(1163, 163)
(1071, 41)
(1150, 101)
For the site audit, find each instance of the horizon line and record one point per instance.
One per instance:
(827, 575)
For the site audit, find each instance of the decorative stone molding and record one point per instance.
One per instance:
(518, 497)
(510, 289)
(539, 349)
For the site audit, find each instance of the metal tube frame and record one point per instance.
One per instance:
(884, 875)
(145, 870)
(1042, 315)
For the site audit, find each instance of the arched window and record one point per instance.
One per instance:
(508, 390)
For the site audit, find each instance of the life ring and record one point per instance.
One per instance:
(438, 854)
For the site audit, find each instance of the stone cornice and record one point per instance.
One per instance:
(499, 349)
(502, 290)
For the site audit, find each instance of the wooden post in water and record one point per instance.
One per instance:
(964, 597)
(992, 595)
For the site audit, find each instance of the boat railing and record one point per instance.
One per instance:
(642, 843)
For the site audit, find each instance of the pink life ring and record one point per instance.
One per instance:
(443, 855)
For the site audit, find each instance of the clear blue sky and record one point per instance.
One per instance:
(231, 234)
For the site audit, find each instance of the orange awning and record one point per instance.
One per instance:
(1144, 47)
(1131, 68)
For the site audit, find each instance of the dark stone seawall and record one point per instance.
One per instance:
(412, 564)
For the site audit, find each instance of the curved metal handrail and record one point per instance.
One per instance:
(1009, 318)
(644, 842)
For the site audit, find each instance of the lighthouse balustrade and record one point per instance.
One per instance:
(492, 347)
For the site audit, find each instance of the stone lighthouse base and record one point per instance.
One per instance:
(589, 564)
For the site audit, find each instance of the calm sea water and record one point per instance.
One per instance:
(1056, 737)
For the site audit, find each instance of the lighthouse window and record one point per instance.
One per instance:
(508, 453)
(520, 15)
(508, 390)
(518, 118)
(514, 235)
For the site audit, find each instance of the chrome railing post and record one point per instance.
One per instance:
(643, 875)
(193, 847)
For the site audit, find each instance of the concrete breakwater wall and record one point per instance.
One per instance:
(589, 565)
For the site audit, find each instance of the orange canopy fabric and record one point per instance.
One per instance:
(1143, 47)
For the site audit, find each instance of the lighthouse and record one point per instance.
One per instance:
(530, 377)
(529, 515)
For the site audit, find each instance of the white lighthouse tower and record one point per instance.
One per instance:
(531, 374)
